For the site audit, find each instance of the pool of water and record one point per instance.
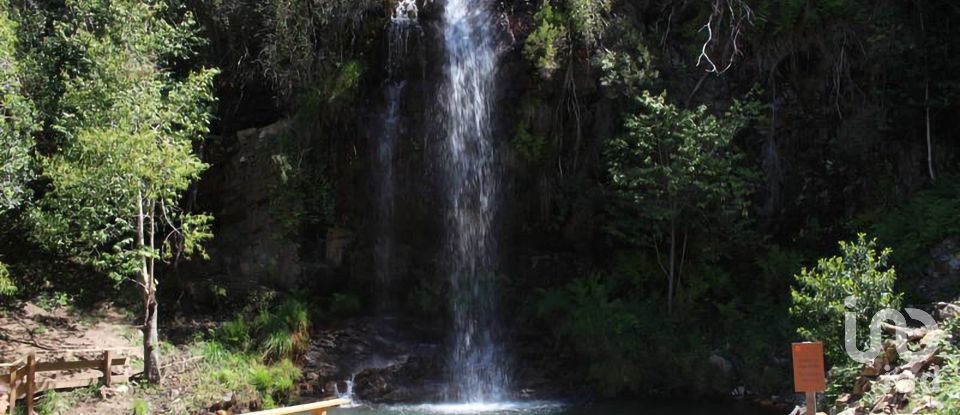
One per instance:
(551, 408)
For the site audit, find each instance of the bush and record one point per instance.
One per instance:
(7, 287)
(282, 332)
(860, 272)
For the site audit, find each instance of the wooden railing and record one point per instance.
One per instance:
(20, 376)
(316, 408)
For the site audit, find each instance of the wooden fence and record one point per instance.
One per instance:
(20, 376)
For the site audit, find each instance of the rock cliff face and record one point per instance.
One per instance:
(250, 247)
(258, 243)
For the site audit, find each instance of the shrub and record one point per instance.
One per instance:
(235, 333)
(276, 333)
(543, 44)
(7, 287)
(819, 305)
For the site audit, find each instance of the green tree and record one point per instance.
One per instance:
(129, 125)
(542, 47)
(819, 299)
(17, 120)
(676, 173)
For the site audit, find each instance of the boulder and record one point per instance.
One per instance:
(410, 379)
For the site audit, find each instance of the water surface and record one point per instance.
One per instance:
(550, 408)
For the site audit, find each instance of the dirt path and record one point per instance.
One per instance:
(60, 333)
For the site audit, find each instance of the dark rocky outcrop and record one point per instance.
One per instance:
(941, 279)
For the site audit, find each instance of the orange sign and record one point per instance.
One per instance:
(808, 373)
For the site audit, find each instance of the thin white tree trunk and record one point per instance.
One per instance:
(151, 351)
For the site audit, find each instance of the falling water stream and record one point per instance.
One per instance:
(402, 25)
(472, 184)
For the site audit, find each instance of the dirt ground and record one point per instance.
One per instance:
(60, 333)
(66, 334)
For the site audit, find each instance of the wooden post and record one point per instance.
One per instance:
(107, 372)
(31, 381)
(811, 403)
(13, 390)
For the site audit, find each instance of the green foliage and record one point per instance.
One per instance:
(819, 300)
(245, 375)
(235, 333)
(17, 123)
(140, 407)
(679, 183)
(531, 147)
(275, 383)
(53, 403)
(925, 220)
(948, 380)
(676, 167)
(129, 125)
(626, 342)
(590, 19)
(304, 42)
(277, 333)
(543, 46)
(626, 66)
(52, 300)
(777, 269)
(7, 287)
(841, 379)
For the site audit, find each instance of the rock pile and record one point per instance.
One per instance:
(892, 383)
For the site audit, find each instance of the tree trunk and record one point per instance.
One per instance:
(151, 342)
(151, 351)
(671, 277)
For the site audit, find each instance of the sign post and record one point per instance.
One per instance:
(808, 373)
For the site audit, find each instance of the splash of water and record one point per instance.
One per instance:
(472, 185)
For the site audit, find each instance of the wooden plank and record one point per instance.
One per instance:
(79, 364)
(105, 367)
(31, 381)
(12, 381)
(313, 408)
(5, 367)
(48, 384)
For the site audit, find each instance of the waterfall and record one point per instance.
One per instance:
(403, 23)
(471, 188)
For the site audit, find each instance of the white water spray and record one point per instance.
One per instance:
(472, 189)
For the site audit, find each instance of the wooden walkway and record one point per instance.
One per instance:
(316, 408)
